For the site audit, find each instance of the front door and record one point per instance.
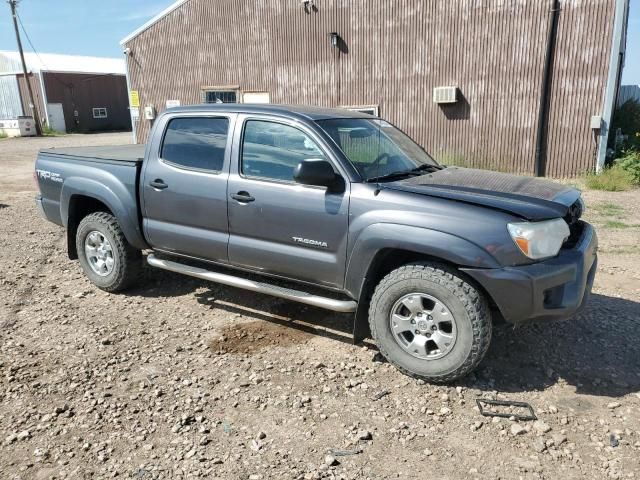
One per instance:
(276, 225)
(184, 186)
(55, 120)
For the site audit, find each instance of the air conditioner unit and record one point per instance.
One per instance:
(445, 95)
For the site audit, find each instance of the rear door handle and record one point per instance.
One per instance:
(159, 184)
(242, 197)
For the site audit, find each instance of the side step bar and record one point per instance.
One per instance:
(260, 287)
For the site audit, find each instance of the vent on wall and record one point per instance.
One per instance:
(445, 95)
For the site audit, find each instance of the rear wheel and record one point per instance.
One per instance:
(106, 257)
(429, 322)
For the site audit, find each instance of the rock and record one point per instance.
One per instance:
(445, 411)
(23, 435)
(330, 460)
(553, 409)
(539, 444)
(558, 439)
(190, 453)
(148, 447)
(427, 452)
(477, 425)
(613, 405)
(11, 438)
(41, 452)
(517, 429)
(365, 435)
(541, 427)
(262, 436)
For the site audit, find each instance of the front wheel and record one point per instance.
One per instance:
(106, 257)
(429, 322)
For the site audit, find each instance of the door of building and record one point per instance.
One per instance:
(56, 117)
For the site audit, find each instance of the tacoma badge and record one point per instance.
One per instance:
(306, 241)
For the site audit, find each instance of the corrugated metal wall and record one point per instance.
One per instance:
(10, 104)
(82, 92)
(393, 54)
(628, 92)
(34, 79)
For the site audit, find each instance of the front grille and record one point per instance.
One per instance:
(576, 226)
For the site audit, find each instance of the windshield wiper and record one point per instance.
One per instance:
(425, 167)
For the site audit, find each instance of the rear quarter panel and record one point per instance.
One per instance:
(114, 183)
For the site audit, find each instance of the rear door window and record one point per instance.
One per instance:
(196, 143)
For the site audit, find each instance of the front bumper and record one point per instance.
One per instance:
(553, 289)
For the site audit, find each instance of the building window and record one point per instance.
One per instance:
(196, 143)
(370, 109)
(219, 96)
(273, 150)
(99, 112)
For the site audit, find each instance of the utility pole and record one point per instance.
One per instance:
(32, 103)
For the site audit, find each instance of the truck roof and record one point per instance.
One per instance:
(301, 111)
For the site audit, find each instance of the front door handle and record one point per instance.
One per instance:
(242, 197)
(159, 184)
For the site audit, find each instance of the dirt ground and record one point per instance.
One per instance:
(180, 378)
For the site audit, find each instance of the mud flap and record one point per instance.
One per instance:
(361, 329)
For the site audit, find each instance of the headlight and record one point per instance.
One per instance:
(539, 239)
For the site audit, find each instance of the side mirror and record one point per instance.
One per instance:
(316, 171)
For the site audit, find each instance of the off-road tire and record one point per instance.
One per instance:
(468, 306)
(127, 259)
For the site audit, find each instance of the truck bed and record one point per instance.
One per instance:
(113, 153)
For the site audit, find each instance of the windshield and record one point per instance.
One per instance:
(376, 148)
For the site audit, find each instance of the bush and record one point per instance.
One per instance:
(612, 179)
(3, 135)
(630, 163)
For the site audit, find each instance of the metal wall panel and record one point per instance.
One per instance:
(10, 104)
(392, 54)
(82, 92)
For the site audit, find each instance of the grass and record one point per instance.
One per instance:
(609, 209)
(619, 225)
(49, 132)
(613, 179)
(3, 135)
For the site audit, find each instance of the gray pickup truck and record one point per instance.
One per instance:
(331, 208)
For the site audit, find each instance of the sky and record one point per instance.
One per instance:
(95, 27)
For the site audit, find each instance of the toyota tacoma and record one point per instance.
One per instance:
(331, 208)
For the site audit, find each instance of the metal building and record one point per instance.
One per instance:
(534, 81)
(628, 92)
(72, 93)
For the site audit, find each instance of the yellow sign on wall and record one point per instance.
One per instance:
(134, 98)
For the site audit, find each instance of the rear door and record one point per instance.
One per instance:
(184, 185)
(276, 225)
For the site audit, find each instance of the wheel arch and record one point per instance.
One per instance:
(385, 247)
(81, 197)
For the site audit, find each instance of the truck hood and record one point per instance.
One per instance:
(533, 199)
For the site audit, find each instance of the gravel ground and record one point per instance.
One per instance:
(180, 378)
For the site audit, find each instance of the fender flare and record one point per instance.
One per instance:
(433, 243)
(121, 203)
(383, 236)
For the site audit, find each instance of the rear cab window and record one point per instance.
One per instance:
(196, 143)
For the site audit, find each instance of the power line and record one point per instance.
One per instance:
(68, 85)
